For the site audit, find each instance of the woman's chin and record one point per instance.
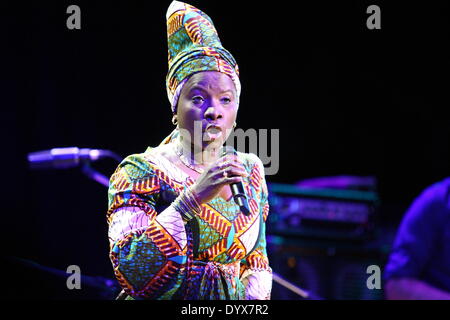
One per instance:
(213, 142)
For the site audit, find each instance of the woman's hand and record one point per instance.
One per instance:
(225, 170)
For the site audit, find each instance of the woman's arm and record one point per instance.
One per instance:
(256, 274)
(147, 249)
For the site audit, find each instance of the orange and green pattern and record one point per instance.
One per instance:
(150, 262)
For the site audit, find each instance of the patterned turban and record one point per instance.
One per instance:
(194, 46)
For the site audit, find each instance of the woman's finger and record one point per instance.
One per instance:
(232, 167)
(228, 158)
(229, 180)
(233, 171)
(232, 164)
(229, 172)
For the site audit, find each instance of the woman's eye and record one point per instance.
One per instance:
(197, 100)
(226, 100)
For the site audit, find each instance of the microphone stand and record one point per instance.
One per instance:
(94, 175)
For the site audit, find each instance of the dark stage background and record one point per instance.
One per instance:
(347, 100)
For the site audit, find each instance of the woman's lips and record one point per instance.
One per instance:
(213, 129)
(212, 132)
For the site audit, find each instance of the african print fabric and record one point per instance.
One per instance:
(194, 46)
(219, 254)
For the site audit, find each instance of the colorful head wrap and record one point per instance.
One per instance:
(194, 46)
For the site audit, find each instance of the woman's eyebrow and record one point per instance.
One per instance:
(197, 87)
(201, 88)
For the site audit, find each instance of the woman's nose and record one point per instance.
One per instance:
(213, 112)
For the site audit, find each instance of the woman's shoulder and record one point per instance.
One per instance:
(148, 159)
(135, 166)
(147, 169)
(251, 160)
(157, 161)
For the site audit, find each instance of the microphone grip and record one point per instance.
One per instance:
(237, 189)
(240, 197)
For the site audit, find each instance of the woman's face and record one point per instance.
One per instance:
(207, 102)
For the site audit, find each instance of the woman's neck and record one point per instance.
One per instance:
(200, 156)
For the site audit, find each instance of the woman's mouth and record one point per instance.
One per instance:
(212, 133)
(213, 129)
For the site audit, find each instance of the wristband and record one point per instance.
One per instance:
(187, 204)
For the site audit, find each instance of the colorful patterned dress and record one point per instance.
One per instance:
(220, 254)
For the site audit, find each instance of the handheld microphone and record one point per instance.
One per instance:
(237, 189)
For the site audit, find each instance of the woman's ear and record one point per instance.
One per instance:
(174, 119)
